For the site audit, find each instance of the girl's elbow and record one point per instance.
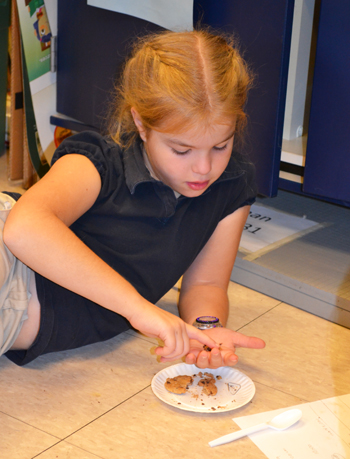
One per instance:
(11, 235)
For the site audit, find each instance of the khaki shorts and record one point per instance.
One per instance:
(14, 286)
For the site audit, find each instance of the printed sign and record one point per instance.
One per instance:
(265, 227)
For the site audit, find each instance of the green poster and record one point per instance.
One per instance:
(36, 36)
(37, 79)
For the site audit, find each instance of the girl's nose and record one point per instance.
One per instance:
(202, 165)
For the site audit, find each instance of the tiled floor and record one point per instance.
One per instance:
(97, 402)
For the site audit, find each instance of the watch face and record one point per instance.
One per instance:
(207, 320)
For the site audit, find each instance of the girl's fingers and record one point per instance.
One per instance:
(175, 346)
(231, 362)
(203, 360)
(203, 338)
(216, 359)
(248, 341)
(190, 359)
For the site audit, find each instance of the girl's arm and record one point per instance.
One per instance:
(37, 232)
(204, 292)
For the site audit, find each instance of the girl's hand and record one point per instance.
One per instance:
(173, 331)
(224, 354)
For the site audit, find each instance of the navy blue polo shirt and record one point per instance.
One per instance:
(141, 230)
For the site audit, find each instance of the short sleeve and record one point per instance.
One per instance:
(89, 144)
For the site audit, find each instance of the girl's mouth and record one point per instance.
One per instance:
(198, 185)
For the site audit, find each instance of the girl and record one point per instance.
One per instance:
(117, 221)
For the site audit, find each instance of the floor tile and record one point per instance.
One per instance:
(18, 440)
(63, 450)
(247, 305)
(146, 427)
(59, 393)
(305, 355)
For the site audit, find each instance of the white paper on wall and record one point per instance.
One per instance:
(173, 15)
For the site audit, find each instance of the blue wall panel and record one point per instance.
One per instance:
(327, 167)
(264, 31)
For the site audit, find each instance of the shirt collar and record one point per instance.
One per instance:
(135, 170)
(136, 173)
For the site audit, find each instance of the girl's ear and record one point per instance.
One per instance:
(138, 124)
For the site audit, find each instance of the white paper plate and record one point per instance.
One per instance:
(235, 389)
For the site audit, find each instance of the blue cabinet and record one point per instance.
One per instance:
(264, 31)
(327, 166)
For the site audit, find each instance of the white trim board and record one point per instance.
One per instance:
(303, 296)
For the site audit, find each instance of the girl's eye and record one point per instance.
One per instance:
(221, 148)
(180, 152)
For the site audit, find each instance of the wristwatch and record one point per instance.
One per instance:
(205, 322)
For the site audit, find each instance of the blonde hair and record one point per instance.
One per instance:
(178, 80)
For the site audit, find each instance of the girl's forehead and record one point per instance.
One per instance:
(213, 131)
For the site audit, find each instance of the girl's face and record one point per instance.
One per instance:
(189, 162)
